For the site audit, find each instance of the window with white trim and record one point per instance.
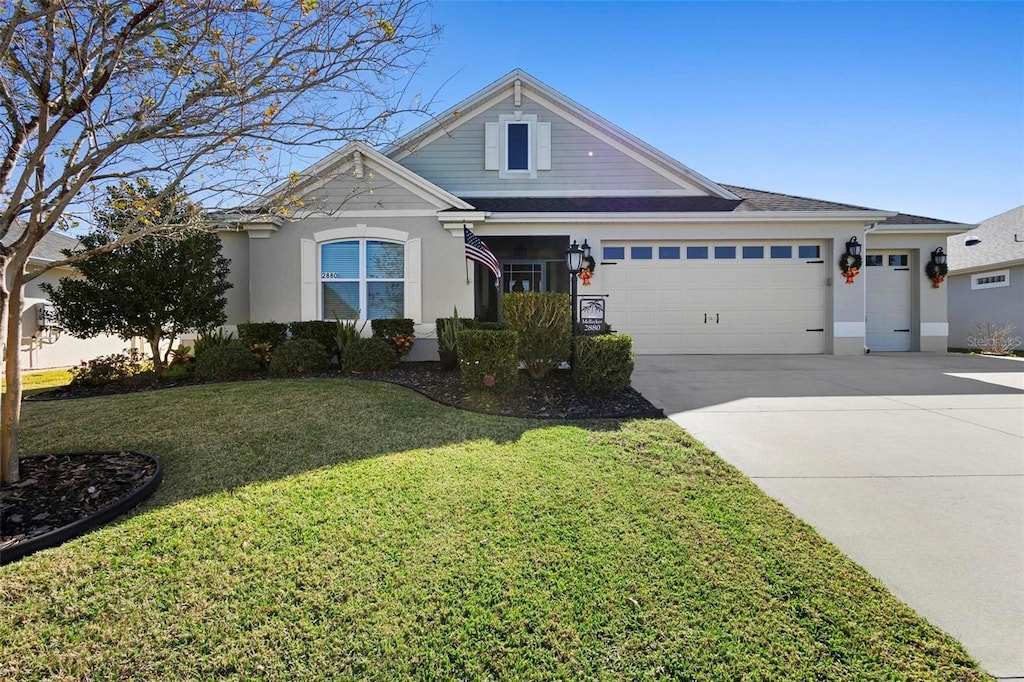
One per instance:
(362, 278)
(990, 280)
(517, 145)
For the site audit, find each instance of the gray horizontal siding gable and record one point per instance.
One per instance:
(374, 191)
(580, 162)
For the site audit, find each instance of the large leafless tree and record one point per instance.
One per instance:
(206, 97)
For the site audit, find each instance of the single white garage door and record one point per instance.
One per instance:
(716, 297)
(888, 280)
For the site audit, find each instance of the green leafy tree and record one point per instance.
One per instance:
(156, 288)
(208, 98)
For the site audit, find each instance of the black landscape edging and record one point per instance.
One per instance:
(655, 413)
(84, 525)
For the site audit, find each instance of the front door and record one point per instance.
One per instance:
(523, 276)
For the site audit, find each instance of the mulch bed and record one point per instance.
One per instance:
(552, 397)
(57, 490)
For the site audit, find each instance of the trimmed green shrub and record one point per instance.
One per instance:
(259, 333)
(487, 360)
(386, 328)
(108, 369)
(543, 323)
(210, 339)
(227, 362)
(368, 355)
(299, 356)
(604, 364)
(398, 332)
(180, 372)
(323, 333)
(485, 326)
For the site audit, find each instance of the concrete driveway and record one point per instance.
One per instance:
(911, 463)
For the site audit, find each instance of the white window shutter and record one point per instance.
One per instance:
(491, 146)
(309, 277)
(543, 146)
(413, 281)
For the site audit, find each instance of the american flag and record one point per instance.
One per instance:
(477, 251)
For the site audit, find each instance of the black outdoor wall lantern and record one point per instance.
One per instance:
(574, 261)
(936, 269)
(850, 261)
(588, 264)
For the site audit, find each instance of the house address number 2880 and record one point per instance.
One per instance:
(329, 275)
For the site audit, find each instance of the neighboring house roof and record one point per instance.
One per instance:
(49, 247)
(999, 243)
(570, 110)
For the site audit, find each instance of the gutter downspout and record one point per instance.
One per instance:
(867, 229)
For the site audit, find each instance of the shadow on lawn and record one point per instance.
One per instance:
(218, 437)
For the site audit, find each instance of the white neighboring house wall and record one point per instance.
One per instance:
(48, 348)
(44, 347)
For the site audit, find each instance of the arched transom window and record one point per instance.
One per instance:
(362, 279)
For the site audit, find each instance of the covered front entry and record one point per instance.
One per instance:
(889, 307)
(717, 297)
(527, 264)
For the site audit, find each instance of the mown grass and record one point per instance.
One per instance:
(36, 381)
(328, 529)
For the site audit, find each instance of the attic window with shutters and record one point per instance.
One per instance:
(517, 146)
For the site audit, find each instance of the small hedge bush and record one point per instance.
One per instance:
(543, 322)
(386, 328)
(299, 356)
(258, 333)
(323, 333)
(487, 360)
(398, 332)
(485, 326)
(604, 364)
(368, 355)
(227, 362)
(108, 369)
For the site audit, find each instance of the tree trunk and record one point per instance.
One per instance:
(11, 408)
(154, 349)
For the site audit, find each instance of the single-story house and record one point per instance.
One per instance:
(986, 277)
(683, 263)
(43, 344)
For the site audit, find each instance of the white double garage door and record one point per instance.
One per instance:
(701, 297)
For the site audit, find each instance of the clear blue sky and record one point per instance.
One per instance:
(916, 107)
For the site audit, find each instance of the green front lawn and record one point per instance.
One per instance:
(332, 529)
(40, 380)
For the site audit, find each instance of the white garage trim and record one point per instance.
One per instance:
(848, 330)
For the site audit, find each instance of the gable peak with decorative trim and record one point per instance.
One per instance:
(517, 86)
